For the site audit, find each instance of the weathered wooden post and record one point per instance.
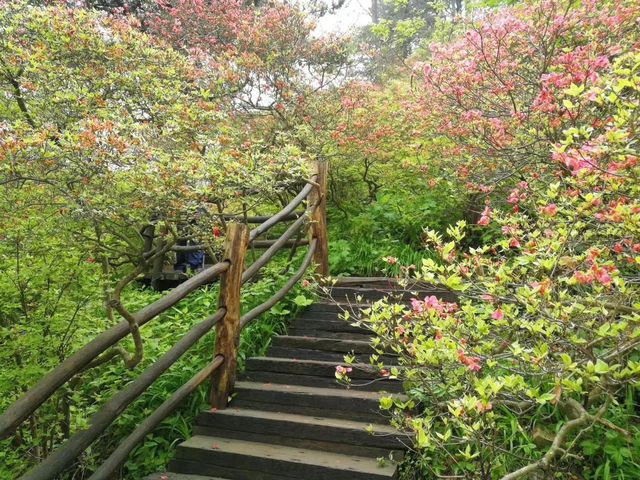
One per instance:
(228, 329)
(158, 262)
(318, 228)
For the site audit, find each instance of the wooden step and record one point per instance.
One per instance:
(179, 476)
(337, 357)
(308, 332)
(331, 308)
(379, 384)
(361, 371)
(325, 344)
(369, 295)
(327, 434)
(327, 324)
(357, 405)
(316, 373)
(243, 460)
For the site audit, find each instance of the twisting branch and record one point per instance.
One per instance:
(581, 418)
(113, 302)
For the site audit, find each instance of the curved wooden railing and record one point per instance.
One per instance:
(227, 321)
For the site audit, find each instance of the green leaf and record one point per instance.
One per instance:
(601, 367)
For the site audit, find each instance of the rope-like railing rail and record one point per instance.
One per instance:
(254, 244)
(273, 249)
(226, 319)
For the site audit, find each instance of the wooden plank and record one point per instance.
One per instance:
(300, 427)
(380, 384)
(308, 354)
(278, 438)
(325, 344)
(309, 367)
(278, 459)
(228, 330)
(327, 324)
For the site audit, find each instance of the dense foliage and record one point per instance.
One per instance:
(537, 361)
(489, 147)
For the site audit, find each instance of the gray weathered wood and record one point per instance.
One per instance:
(280, 294)
(272, 250)
(291, 206)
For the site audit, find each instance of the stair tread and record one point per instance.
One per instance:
(287, 454)
(306, 419)
(317, 391)
(284, 365)
(180, 476)
(327, 344)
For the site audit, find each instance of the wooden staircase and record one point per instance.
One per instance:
(290, 419)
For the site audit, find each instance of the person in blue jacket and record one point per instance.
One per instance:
(194, 259)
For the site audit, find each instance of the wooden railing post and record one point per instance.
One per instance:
(318, 228)
(158, 263)
(228, 329)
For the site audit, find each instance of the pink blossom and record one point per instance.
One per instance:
(550, 210)
(472, 362)
(343, 370)
(432, 302)
(485, 216)
(583, 278)
(498, 314)
(417, 306)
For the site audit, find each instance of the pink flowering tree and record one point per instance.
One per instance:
(537, 360)
(491, 96)
(263, 61)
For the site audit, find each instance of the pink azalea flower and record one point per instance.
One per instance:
(498, 314)
(417, 306)
(583, 278)
(432, 302)
(390, 260)
(550, 210)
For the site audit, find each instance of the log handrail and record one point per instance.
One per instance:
(288, 209)
(273, 249)
(125, 447)
(280, 294)
(227, 320)
(103, 418)
(19, 411)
